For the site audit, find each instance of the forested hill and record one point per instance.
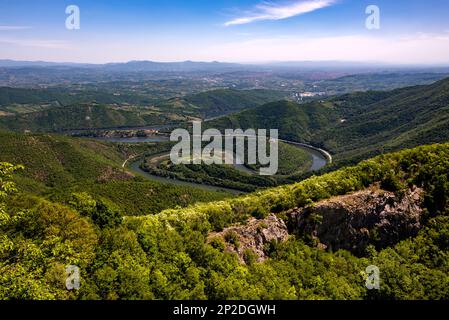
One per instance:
(27, 96)
(77, 117)
(225, 101)
(400, 119)
(210, 251)
(63, 96)
(58, 166)
(360, 125)
(297, 122)
(55, 109)
(221, 101)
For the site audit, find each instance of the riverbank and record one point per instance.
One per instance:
(320, 158)
(134, 166)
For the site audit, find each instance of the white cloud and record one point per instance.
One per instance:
(270, 11)
(50, 44)
(13, 28)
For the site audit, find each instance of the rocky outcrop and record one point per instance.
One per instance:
(255, 235)
(352, 222)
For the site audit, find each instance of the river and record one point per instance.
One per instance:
(152, 138)
(135, 168)
(319, 156)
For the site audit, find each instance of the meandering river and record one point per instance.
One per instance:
(319, 156)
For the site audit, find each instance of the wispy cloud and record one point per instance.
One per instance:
(13, 28)
(49, 44)
(273, 11)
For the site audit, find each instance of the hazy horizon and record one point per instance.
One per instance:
(279, 63)
(411, 32)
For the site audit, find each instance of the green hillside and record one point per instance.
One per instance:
(292, 161)
(56, 166)
(400, 119)
(64, 97)
(72, 203)
(377, 81)
(360, 125)
(172, 255)
(80, 117)
(53, 110)
(220, 102)
(28, 96)
(224, 101)
(297, 122)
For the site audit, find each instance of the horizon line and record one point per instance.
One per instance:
(242, 63)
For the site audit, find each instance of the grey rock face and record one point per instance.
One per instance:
(254, 236)
(353, 221)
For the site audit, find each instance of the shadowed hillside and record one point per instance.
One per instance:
(360, 125)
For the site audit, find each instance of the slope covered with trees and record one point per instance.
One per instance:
(50, 110)
(225, 101)
(80, 117)
(359, 125)
(57, 166)
(292, 161)
(169, 256)
(377, 122)
(297, 122)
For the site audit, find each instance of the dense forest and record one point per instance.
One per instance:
(170, 255)
(357, 126)
(292, 161)
(56, 109)
(74, 201)
(56, 166)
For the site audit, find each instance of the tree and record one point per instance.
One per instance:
(7, 186)
(102, 212)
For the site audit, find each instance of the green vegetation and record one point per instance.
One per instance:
(57, 166)
(225, 101)
(376, 81)
(359, 125)
(67, 201)
(53, 110)
(385, 122)
(292, 161)
(216, 175)
(58, 96)
(166, 256)
(9, 96)
(295, 122)
(81, 117)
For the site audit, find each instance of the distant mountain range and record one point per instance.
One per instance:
(131, 66)
(190, 66)
(19, 64)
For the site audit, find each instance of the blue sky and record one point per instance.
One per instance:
(411, 31)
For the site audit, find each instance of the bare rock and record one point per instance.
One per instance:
(254, 236)
(351, 222)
